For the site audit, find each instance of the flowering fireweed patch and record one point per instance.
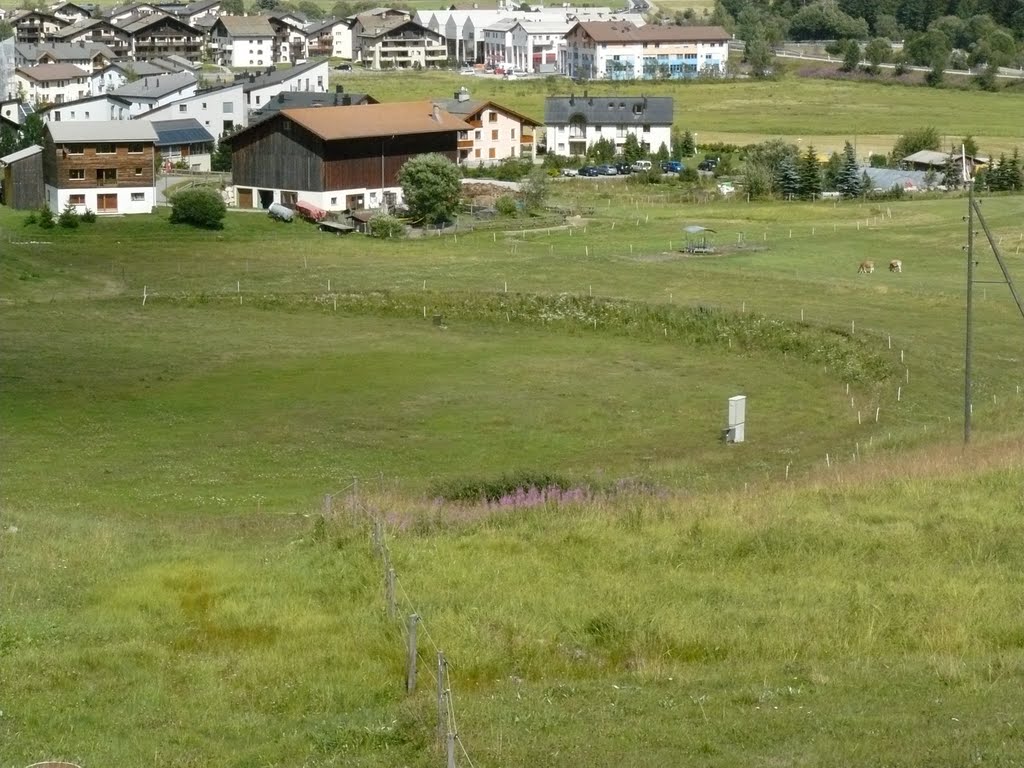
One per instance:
(852, 358)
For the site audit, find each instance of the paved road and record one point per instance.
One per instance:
(1004, 73)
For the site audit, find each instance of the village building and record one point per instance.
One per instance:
(51, 83)
(243, 41)
(496, 132)
(219, 110)
(302, 99)
(261, 88)
(87, 32)
(161, 35)
(183, 144)
(156, 91)
(101, 107)
(338, 158)
(575, 123)
(21, 179)
(620, 50)
(396, 43)
(106, 167)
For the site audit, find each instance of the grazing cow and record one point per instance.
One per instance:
(895, 265)
(866, 268)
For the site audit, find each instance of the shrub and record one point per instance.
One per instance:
(89, 216)
(506, 205)
(46, 217)
(385, 225)
(31, 219)
(199, 206)
(653, 176)
(68, 217)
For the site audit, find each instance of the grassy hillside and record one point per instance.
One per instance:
(824, 113)
(171, 594)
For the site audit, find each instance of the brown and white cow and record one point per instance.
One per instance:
(866, 268)
(895, 265)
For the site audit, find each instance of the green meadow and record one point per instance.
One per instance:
(823, 113)
(840, 590)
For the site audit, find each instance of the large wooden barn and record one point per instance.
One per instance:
(338, 158)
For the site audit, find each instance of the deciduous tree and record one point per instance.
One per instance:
(431, 187)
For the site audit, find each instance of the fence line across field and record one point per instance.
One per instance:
(412, 626)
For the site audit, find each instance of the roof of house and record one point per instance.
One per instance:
(274, 76)
(609, 110)
(319, 26)
(140, 68)
(246, 26)
(367, 120)
(156, 86)
(48, 72)
(62, 51)
(302, 99)
(626, 32)
(89, 99)
(183, 131)
(76, 132)
(375, 27)
(469, 107)
(21, 154)
(887, 178)
(82, 25)
(928, 157)
(200, 5)
(137, 24)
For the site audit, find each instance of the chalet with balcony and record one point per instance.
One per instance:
(35, 26)
(330, 38)
(70, 12)
(396, 43)
(574, 123)
(160, 35)
(496, 132)
(338, 158)
(122, 13)
(89, 56)
(88, 32)
(107, 167)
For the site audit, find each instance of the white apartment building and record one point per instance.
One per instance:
(52, 83)
(573, 123)
(531, 45)
(218, 110)
(618, 50)
(92, 108)
(243, 41)
(261, 89)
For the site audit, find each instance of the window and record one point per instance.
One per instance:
(492, 117)
(86, 114)
(76, 174)
(476, 153)
(105, 149)
(257, 99)
(638, 108)
(334, 201)
(75, 150)
(229, 108)
(183, 108)
(494, 135)
(647, 129)
(138, 171)
(135, 148)
(76, 199)
(513, 133)
(478, 136)
(490, 152)
(204, 105)
(106, 175)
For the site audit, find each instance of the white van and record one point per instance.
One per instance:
(642, 165)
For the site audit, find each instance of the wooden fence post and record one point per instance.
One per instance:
(442, 710)
(410, 676)
(389, 590)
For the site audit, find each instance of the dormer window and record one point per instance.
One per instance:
(638, 109)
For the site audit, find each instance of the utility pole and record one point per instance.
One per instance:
(969, 343)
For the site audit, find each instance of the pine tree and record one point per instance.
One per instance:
(1014, 172)
(809, 170)
(631, 149)
(688, 146)
(662, 154)
(865, 184)
(788, 178)
(848, 182)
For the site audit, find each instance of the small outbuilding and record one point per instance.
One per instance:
(697, 240)
(22, 179)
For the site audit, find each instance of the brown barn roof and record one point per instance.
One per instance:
(627, 32)
(365, 120)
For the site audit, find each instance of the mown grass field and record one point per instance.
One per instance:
(169, 595)
(824, 113)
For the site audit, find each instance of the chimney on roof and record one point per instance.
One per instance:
(252, 77)
(280, 98)
(572, 99)
(339, 88)
(462, 94)
(346, 100)
(436, 114)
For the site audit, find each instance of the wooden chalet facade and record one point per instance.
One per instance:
(338, 158)
(104, 166)
(160, 35)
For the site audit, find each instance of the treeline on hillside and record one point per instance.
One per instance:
(935, 33)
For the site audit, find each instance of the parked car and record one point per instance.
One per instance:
(467, 71)
(344, 68)
(569, 172)
(671, 166)
(641, 165)
(709, 163)
(589, 170)
(607, 170)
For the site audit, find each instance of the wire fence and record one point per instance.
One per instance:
(402, 609)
